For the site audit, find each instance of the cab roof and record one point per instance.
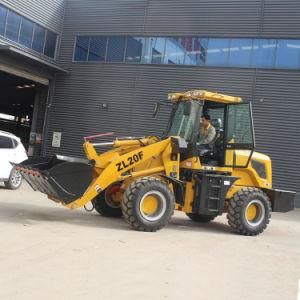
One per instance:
(204, 95)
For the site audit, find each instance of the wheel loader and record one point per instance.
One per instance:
(144, 179)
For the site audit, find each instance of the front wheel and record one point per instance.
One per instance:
(249, 211)
(14, 181)
(108, 203)
(148, 204)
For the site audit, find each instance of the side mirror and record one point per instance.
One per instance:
(187, 108)
(156, 109)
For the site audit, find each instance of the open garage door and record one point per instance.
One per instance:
(22, 107)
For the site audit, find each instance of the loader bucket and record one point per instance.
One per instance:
(63, 179)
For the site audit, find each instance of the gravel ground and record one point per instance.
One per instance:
(49, 252)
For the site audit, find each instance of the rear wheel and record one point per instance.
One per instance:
(15, 180)
(249, 211)
(200, 218)
(108, 203)
(148, 204)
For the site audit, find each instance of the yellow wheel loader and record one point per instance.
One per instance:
(145, 179)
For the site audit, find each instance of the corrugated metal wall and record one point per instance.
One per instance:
(131, 90)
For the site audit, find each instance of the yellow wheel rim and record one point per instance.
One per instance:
(149, 205)
(251, 212)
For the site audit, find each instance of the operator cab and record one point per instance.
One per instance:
(233, 144)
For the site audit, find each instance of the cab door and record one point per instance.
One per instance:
(239, 135)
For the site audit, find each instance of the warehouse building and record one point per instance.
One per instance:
(73, 68)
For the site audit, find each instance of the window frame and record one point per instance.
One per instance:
(22, 19)
(277, 55)
(6, 23)
(217, 65)
(142, 49)
(124, 50)
(89, 48)
(238, 146)
(17, 41)
(5, 19)
(147, 57)
(231, 53)
(56, 43)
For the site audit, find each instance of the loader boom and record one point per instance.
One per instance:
(116, 169)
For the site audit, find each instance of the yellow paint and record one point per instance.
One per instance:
(189, 197)
(204, 95)
(191, 163)
(149, 205)
(157, 160)
(170, 166)
(147, 172)
(251, 212)
(110, 173)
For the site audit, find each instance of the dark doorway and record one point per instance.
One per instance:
(18, 98)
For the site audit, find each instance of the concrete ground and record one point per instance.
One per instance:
(49, 252)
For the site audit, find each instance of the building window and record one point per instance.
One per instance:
(38, 39)
(287, 54)
(50, 45)
(217, 52)
(12, 26)
(116, 49)
(27, 33)
(3, 13)
(197, 51)
(134, 49)
(97, 48)
(263, 53)
(154, 50)
(82, 48)
(240, 52)
(174, 53)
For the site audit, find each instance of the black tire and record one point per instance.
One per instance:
(15, 180)
(200, 218)
(134, 204)
(105, 207)
(238, 211)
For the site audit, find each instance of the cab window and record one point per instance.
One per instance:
(239, 129)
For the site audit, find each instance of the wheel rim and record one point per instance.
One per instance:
(153, 206)
(113, 196)
(255, 213)
(16, 179)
